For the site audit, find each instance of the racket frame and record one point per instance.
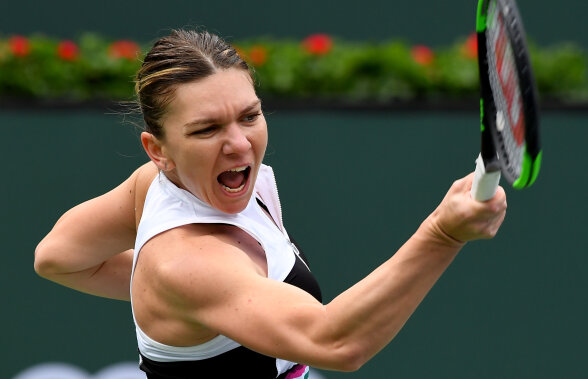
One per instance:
(493, 158)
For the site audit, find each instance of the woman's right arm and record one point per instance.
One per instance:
(283, 321)
(89, 248)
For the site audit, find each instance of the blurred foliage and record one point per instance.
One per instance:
(318, 67)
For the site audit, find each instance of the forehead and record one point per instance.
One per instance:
(221, 93)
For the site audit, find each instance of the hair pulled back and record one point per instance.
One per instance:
(182, 57)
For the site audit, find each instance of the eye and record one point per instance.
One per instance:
(250, 118)
(204, 131)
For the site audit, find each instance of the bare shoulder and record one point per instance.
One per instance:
(139, 182)
(145, 175)
(199, 276)
(205, 276)
(189, 262)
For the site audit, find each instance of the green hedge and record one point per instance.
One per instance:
(320, 66)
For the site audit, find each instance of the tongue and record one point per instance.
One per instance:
(231, 179)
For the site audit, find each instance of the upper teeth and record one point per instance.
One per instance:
(239, 169)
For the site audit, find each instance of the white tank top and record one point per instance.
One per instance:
(168, 206)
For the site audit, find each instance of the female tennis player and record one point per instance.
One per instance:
(195, 238)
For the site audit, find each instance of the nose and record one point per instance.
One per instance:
(236, 141)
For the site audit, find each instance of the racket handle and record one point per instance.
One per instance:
(485, 183)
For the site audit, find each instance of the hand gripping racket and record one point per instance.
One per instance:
(508, 103)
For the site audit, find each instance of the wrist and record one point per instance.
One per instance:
(432, 231)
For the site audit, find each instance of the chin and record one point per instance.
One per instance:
(233, 204)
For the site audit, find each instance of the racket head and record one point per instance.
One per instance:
(510, 119)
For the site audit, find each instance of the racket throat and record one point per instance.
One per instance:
(488, 150)
(491, 165)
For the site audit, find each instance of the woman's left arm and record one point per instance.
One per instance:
(109, 279)
(89, 248)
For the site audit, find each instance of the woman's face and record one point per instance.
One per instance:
(215, 139)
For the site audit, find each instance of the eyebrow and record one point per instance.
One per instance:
(212, 120)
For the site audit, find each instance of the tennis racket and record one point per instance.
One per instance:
(508, 103)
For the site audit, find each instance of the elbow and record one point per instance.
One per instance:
(354, 362)
(339, 350)
(45, 266)
(349, 358)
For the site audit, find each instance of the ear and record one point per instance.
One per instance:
(154, 148)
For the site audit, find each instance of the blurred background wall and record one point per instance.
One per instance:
(513, 307)
(428, 22)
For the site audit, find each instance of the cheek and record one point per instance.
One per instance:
(194, 165)
(263, 142)
(262, 138)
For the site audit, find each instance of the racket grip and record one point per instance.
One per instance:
(485, 183)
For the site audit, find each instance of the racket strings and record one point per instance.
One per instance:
(504, 80)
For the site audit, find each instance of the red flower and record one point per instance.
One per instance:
(422, 55)
(19, 46)
(318, 44)
(258, 55)
(67, 50)
(470, 47)
(124, 49)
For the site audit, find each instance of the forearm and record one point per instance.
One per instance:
(369, 315)
(81, 240)
(357, 324)
(110, 279)
(83, 249)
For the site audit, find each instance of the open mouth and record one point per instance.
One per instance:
(234, 180)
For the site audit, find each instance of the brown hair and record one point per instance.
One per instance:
(182, 57)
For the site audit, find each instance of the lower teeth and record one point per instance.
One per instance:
(228, 189)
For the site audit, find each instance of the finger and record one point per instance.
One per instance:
(465, 183)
